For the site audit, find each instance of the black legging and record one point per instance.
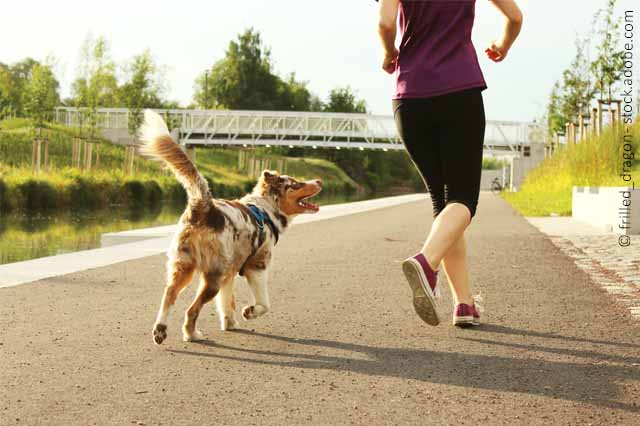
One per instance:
(444, 136)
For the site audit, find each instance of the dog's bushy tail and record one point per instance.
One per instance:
(158, 144)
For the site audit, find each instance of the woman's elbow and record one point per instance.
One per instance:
(516, 18)
(386, 27)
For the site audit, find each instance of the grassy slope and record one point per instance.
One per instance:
(594, 162)
(106, 184)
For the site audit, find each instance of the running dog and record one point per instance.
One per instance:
(221, 239)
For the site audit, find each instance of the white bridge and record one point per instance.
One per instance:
(285, 128)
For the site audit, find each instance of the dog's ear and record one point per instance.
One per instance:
(270, 177)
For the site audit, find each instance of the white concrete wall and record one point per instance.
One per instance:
(521, 166)
(614, 209)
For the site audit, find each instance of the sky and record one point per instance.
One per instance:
(327, 43)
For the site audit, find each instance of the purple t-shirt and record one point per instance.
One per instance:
(436, 53)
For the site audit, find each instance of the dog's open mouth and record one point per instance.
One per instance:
(308, 206)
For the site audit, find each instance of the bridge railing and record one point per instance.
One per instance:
(204, 127)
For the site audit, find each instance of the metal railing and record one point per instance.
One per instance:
(284, 128)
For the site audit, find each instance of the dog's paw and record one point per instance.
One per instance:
(159, 333)
(228, 323)
(193, 337)
(249, 312)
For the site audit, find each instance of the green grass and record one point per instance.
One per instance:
(62, 186)
(597, 161)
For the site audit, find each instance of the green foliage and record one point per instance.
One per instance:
(244, 79)
(491, 163)
(20, 75)
(578, 90)
(595, 162)
(96, 84)
(555, 117)
(21, 90)
(41, 95)
(343, 99)
(141, 90)
(106, 185)
(583, 79)
(7, 92)
(3, 196)
(607, 66)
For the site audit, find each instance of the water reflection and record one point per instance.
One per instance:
(25, 236)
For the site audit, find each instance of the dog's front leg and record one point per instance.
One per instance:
(257, 280)
(226, 302)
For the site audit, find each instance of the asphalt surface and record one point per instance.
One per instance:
(341, 345)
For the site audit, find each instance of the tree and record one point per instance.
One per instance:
(577, 88)
(142, 89)
(244, 79)
(294, 95)
(342, 99)
(41, 94)
(96, 85)
(7, 89)
(21, 73)
(608, 64)
(555, 118)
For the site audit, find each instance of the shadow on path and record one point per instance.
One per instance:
(595, 384)
(492, 328)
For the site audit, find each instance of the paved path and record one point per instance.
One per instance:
(341, 346)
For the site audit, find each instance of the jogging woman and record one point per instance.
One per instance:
(439, 114)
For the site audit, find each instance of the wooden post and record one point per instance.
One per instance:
(36, 155)
(83, 149)
(125, 166)
(46, 155)
(74, 151)
(97, 156)
(33, 155)
(599, 117)
(88, 157)
(612, 116)
(129, 159)
(581, 127)
(592, 120)
(619, 111)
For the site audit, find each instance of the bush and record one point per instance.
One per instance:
(134, 193)
(4, 205)
(154, 193)
(83, 194)
(38, 195)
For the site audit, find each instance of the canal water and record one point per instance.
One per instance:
(25, 236)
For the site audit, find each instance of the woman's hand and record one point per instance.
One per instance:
(390, 61)
(496, 51)
(387, 31)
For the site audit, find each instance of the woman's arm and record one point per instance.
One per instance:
(387, 32)
(498, 50)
